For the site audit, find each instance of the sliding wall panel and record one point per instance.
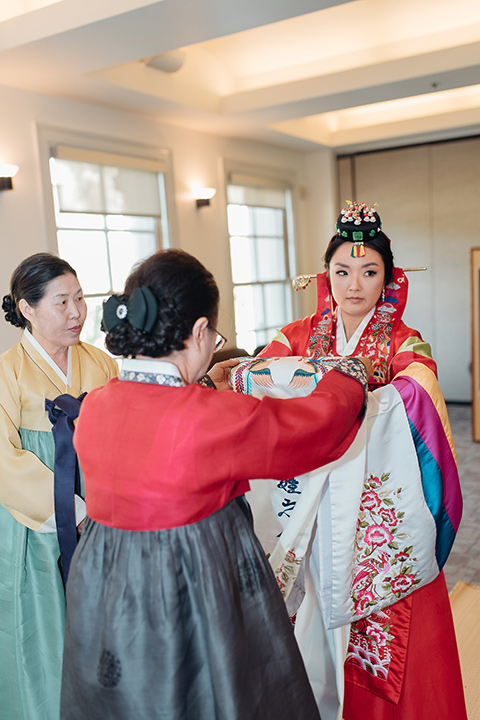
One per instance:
(429, 202)
(475, 330)
(456, 228)
(398, 180)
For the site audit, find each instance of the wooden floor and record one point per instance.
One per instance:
(465, 601)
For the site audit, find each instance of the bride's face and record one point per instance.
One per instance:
(356, 282)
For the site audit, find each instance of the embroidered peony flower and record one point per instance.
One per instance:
(374, 482)
(370, 500)
(377, 635)
(402, 555)
(364, 597)
(402, 583)
(388, 516)
(378, 535)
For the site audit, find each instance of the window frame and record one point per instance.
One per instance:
(91, 146)
(50, 137)
(261, 177)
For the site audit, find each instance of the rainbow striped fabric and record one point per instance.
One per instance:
(431, 433)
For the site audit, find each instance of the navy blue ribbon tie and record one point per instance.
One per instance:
(66, 474)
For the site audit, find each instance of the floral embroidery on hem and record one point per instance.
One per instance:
(287, 573)
(384, 569)
(384, 563)
(369, 644)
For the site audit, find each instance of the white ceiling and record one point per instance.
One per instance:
(347, 75)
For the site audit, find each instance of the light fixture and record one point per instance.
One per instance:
(203, 196)
(7, 172)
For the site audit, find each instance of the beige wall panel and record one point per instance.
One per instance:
(398, 181)
(427, 197)
(345, 182)
(455, 210)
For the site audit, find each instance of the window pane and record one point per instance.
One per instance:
(80, 221)
(236, 194)
(271, 259)
(129, 222)
(247, 341)
(268, 222)
(261, 338)
(248, 303)
(78, 186)
(126, 249)
(256, 195)
(276, 314)
(243, 259)
(239, 220)
(91, 332)
(86, 251)
(131, 192)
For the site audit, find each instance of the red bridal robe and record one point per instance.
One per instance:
(424, 679)
(172, 608)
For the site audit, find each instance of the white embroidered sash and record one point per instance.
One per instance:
(361, 521)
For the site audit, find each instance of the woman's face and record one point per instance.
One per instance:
(58, 318)
(357, 283)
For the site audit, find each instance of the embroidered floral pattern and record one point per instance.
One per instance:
(380, 572)
(375, 341)
(384, 568)
(151, 378)
(369, 644)
(287, 573)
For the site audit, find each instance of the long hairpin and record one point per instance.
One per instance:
(301, 281)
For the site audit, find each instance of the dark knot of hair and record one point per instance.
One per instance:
(9, 307)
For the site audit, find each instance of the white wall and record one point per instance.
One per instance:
(25, 226)
(428, 197)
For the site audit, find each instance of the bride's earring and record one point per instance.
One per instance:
(383, 293)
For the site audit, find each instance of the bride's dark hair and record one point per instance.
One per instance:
(380, 243)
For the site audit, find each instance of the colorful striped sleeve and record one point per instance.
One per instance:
(412, 349)
(430, 427)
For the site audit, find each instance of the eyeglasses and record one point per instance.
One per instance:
(220, 339)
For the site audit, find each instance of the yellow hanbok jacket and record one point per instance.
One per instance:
(32, 596)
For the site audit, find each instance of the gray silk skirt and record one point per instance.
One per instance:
(180, 624)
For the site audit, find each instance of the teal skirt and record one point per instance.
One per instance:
(32, 611)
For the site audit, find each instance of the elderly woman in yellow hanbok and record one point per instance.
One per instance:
(41, 508)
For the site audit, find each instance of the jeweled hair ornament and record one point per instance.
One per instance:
(140, 310)
(358, 223)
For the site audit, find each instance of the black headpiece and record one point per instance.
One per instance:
(358, 223)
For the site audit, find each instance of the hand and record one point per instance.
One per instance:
(366, 361)
(220, 373)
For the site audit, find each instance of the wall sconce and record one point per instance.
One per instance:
(7, 172)
(203, 196)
